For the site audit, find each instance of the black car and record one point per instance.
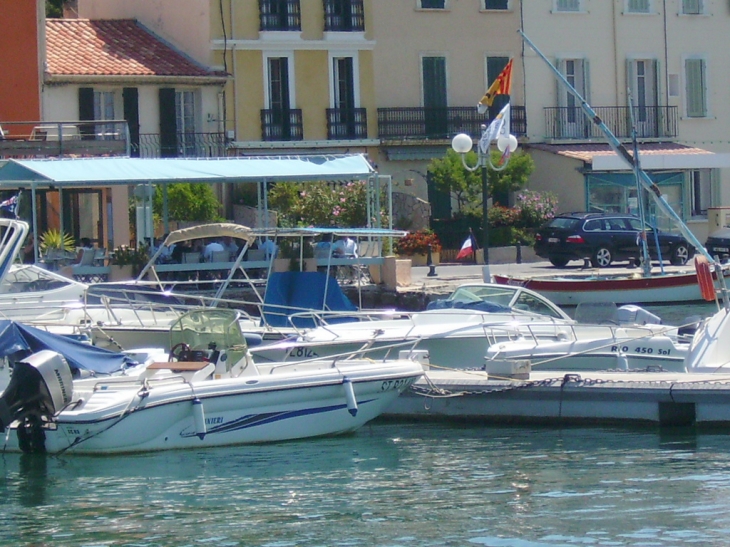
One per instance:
(718, 243)
(604, 238)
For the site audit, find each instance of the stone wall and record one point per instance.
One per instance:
(409, 212)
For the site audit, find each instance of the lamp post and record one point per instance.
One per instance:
(462, 143)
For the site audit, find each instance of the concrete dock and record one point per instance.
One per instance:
(555, 398)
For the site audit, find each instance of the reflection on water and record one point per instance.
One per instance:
(389, 484)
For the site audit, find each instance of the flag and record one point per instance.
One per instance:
(502, 85)
(498, 126)
(11, 204)
(467, 248)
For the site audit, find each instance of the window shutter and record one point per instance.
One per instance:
(695, 77)
(130, 97)
(86, 112)
(586, 91)
(692, 7)
(168, 123)
(639, 6)
(568, 5)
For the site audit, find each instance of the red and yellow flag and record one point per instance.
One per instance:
(502, 85)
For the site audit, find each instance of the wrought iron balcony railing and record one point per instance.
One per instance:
(651, 122)
(282, 125)
(347, 123)
(185, 145)
(280, 15)
(344, 16)
(440, 123)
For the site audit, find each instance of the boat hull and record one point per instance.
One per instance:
(571, 291)
(119, 418)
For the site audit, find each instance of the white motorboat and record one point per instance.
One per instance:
(208, 393)
(456, 331)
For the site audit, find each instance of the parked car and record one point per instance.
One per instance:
(604, 238)
(718, 243)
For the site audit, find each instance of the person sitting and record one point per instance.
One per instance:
(345, 247)
(230, 246)
(212, 247)
(29, 250)
(270, 248)
(84, 257)
(323, 248)
(178, 250)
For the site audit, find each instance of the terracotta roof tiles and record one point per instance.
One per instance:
(119, 47)
(586, 152)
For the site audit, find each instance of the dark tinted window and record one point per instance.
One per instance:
(593, 225)
(564, 223)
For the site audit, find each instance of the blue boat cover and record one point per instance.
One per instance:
(17, 337)
(292, 292)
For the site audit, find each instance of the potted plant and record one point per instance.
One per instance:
(127, 262)
(56, 240)
(415, 245)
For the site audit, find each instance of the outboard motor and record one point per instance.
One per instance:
(40, 386)
(631, 314)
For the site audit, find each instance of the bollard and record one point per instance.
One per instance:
(518, 259)
(429, 263)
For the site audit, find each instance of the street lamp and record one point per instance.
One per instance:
(462, 143)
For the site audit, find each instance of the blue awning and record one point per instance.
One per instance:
(125, 171)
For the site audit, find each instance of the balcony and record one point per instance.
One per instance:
(282, 125)
(347, 123)
(440, 123)
(344, 16)
(187, 145)
(279, 15)
(59, 139)
(652, 122)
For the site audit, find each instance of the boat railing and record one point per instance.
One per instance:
(366, 352)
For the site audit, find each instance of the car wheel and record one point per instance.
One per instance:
(558, 261)
(602, 257)
(680, 255)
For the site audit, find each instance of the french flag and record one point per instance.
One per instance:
(467, 248)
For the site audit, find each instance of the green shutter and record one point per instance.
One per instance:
(168, 123)
(694, 70)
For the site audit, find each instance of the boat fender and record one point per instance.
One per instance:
(622, 362)
(199, 417)
(350, 396)
(704, 278)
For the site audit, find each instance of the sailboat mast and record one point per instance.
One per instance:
(622, 153)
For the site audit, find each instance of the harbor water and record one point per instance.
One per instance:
(389, 484)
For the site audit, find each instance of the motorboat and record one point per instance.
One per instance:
(635, 340)
(455, 331)
(209, 392)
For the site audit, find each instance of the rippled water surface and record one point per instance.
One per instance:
(390, 484)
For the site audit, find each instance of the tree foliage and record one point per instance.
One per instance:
(321, 204)
(54, 9)
(188, 201)
(465, 186)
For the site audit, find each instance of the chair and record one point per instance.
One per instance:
(220, 256)
(87, 258)
(255, 255)
(191, 258)
(100, 257)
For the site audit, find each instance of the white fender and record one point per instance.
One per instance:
(708, 351)
(350, 396)
(199, 417)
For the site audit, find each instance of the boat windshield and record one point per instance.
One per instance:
(208, 329)
(29, 278)
(500, 295)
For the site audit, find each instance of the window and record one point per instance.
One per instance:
(638, 6)
(185, 120)
(279, 15)
(104, 110)
(496, 4)
(568, 5)
(694, 74)
(692, 7)
(433, 4)
(344, 15)
(701, 191)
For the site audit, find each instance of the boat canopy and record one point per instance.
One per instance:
(17, 337)
(211, 230)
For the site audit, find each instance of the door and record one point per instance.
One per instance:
(344, 95)
(434, 97)
(279, 97)
(572, 123)
(642, 77)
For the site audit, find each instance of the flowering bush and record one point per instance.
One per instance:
(415, 243)
(535, 208)
(503, 216)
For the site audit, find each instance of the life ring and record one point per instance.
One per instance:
(704, 278)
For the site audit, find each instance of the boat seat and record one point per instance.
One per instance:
(200, 369)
